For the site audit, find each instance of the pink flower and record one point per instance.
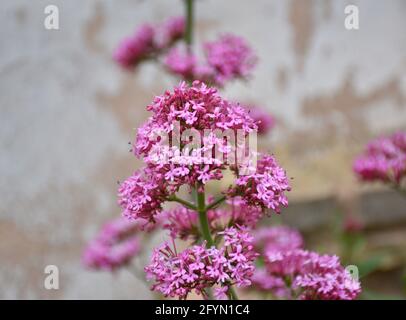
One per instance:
(135, 48)
(149, 41)
(197, 268)
(231, 57)
(142, 194)
(265, 187)
(384, 160)
(311, 276)
(115, 245)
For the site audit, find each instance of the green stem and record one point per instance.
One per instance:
(189, 23)
(204, 222)
(215, 203)
(233, 294)
(183, 202)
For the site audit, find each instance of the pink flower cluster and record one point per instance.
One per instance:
(231, 57)
(182, 223)
(227, 58)
(383, 160)
(142, 194)
(198, 268)
(265, 187)
(115, 245)
(310, 276)
(149, 41)
(169, 166)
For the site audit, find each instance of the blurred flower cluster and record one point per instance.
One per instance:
(383, 160)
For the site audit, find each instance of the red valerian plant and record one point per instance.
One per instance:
(193, 138)
(168, 167)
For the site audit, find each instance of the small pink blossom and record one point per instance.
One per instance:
(265, 187)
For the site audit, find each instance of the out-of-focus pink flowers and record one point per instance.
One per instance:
(227, 58)
(310, 276)
(182, 63)
(198, 268)
(231, 57)
(263, 119)
(148, 41)
(115, 245)
(277, 238)
(265, 187)
(383, 160)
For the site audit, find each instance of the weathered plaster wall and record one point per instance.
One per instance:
(67, 113)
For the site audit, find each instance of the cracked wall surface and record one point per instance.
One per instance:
(68, 112)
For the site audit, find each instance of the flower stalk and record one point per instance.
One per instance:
(189, 23)
(204, 222)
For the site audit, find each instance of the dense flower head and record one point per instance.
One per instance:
(311, 276)
(173, 158)
(142, 194)
(231, 57)
(148, 41)
(115, 245)
(197, 267)
(183, 223)
(265, 187)
(383, 160)
(192, 110)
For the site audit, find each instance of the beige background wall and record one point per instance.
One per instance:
(67, 113)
